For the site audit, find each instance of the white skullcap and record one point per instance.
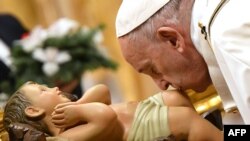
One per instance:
(133, 13)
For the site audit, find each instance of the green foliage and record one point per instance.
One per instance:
(84, 56)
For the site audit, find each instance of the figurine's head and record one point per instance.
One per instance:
(31, 103)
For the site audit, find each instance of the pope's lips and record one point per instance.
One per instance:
(176, 87)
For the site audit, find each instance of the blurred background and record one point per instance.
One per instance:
(125, 83)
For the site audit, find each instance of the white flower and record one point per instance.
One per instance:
(62, 27)
(85, 29)
(103, 50)
(50, 68)
(51, 57)
(34, 40)
(98, 38)
(38, 54)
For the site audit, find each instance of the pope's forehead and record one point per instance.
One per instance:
(130, 50)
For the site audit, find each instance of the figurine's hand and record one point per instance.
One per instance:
(66, 115)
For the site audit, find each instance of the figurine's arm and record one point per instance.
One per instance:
(97, 93)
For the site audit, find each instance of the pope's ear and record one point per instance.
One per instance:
(172, 36)
(34, 112)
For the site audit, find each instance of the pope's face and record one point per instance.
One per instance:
(43, 96)
(167, 66)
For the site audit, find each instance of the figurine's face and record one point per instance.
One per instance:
(44, 97)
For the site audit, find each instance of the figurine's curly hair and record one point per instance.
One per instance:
(14, 111)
